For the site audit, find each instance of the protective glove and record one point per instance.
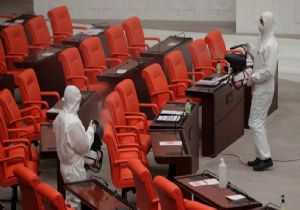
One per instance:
(92, 125)
(250, 80)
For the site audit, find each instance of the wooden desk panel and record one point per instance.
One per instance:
(190, 127)
(213, 195)
(97, 196)
(47, 68)
(222, 116)
(160, 50)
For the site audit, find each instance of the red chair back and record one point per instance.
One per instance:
(51, 199)
(72, 65)
(169, 194)
(117, 41)
(92, 52)
(114, 105)
(3, 67)
(156, 82)
(61, 21)
(128, 95)
(15, 40)
(146, 197)
(134, 31)
(200, 56)
(38, 32)
(216, 44)
(176, 66)
(29, 86)
(28, 182)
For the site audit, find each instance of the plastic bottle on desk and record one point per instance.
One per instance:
(222, 174)
(282, 205)
(188, 107)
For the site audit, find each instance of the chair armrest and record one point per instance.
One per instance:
(174, 87)
(84, 78)
(37, 102)
(30, 118)
(140, 45)
(16, 57)
(51, 93)
(17, 142)
(101, 68)
(205, 67)
(64, 35)
(155, 200)
(134, 135)
(31, 108)
(113, 60)
(136, 114)
(163, 92)
(120, 54)
(34, 47)
(80, 27)
(7, 160)
(18, 130)
(190, 82)
(153, 106)
(153, 38)
(140, 118)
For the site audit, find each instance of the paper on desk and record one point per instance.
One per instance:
(93, 31)
(235, 197)
(46, 54)
(171, 112)
(54, 110)
(121, 71)
(204, 182)
(19, 20)
(168, 118)
(170, 143)
(171, 44)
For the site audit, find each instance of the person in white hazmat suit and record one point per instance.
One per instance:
(72, 141)
(262, 82)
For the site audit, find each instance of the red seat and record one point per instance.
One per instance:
(31, 93)
(216, 46)
(118, 157)
(61, 24)
(131, 103)
(135, 34)
(16, 45)
(38, 32)
(146, 197)
(51, 199)
(9, 163)
(93, 54)
(114, 105)
(158, 87)
(22, 119)
(28, 182)
(77, 75)
(200, 58)
(118, 46)
(170, 197)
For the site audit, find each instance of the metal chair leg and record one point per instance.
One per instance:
(14, 197)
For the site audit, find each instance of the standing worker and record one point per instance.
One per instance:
(72, 141)
(262, 82)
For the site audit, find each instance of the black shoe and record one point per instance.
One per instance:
(262, 165)
(253, 162)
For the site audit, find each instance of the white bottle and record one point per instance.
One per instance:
(222, 174)
(188, 107)
(219, 68)
(282, 206)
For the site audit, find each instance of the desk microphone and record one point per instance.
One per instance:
(101, 24)
(179, 35)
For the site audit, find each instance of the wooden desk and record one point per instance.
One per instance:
(133, 68)
(213, 195)
(160, 50)
(21, 19)
(189, 124)
(222, 116)
(78, 38)
(248, 97)
(96, 196)
(47, 68)
(178, 157)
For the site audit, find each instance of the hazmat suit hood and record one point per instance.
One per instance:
(72, 98)
(266, 28)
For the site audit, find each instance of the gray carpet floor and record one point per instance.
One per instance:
(267, 186)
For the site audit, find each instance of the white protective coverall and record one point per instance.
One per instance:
(265, 64)
(72, 141)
